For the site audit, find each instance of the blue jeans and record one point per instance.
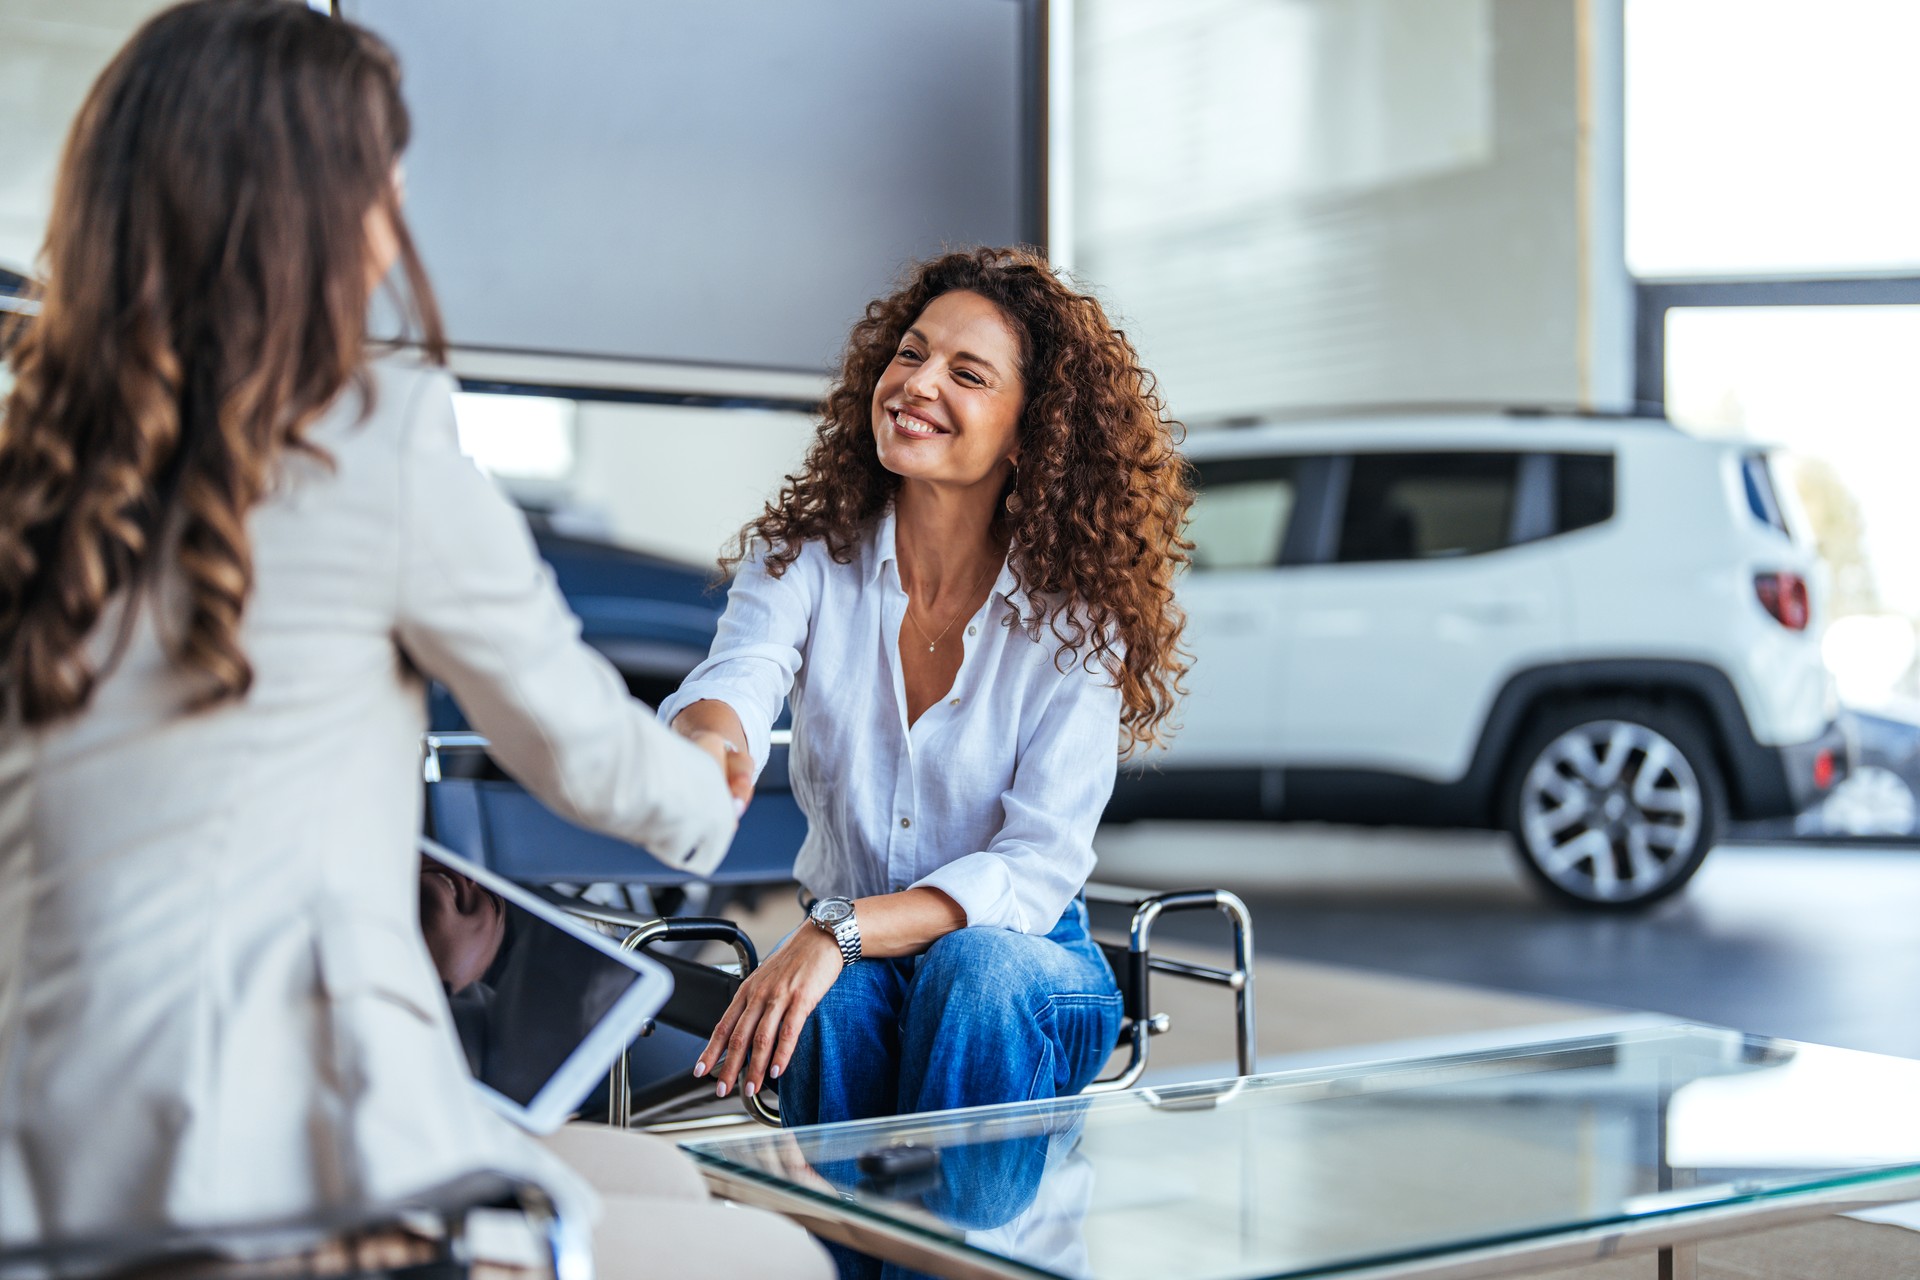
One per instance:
(982, 1016)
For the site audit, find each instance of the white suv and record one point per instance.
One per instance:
(1595, 634)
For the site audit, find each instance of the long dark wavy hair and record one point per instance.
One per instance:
(207, 275)
(1094, 512)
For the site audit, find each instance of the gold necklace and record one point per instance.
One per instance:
(991, 572)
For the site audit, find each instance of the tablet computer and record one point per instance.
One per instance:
(542, 1003)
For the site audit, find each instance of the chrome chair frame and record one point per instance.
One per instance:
(568, 1243)
(1135, 964)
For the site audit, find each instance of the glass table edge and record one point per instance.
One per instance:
(710, 1152)
(946, 1246)
(1513, 1243)
(1215, 1088)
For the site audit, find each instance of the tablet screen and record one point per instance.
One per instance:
(525, 992)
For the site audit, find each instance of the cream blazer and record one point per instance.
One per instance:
(215, 1003)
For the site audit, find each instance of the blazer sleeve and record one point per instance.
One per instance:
(479, 611)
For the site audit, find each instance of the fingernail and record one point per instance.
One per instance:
(699, 1069)
(775, 1073)
(739, 807)
(752, 1088)
(720, 1090)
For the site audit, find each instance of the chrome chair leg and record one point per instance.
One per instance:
(1142, 964)
(641, 932)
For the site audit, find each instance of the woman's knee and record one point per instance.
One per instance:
(642, 1237)
(986, 994)
(1019, 970)
(624, 1163)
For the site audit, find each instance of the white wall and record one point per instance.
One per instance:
(1306, 203)
(50, 53)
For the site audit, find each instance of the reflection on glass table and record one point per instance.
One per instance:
(1478, 1163)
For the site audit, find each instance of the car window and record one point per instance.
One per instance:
(1423, 506)
(1241, 511)
(1761, 499)
(1583, 488)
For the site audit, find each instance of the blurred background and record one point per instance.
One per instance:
(1549, 371)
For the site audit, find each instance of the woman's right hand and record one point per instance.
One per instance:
(756, 1036)
(713, 726)
(733, 762)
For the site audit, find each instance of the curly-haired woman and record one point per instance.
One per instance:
(966, 594)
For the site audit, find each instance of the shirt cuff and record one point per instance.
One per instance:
(757, 724)
(983, 887)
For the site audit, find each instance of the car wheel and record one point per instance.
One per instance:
(1614, 805)
(1872, 801)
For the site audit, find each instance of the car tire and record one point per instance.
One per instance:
(1873, 801)
(1613, 805)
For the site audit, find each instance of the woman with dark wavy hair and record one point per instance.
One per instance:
(232, 549)
(967, 596)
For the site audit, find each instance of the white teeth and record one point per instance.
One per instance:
(911, 423)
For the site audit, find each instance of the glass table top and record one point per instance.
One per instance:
(1314, 1172)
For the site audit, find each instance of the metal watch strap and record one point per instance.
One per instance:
(847, 935)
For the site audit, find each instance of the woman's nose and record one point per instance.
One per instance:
(921, 383)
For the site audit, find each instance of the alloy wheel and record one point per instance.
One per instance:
(1610, 811)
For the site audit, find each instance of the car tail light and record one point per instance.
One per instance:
(1784, 595)
(1823, 769)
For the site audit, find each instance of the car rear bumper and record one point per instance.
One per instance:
(1814, 768)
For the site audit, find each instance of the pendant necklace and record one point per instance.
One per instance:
(992, 571)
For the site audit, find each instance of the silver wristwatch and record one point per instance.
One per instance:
(835, 915)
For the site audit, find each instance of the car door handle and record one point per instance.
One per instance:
(1497, 612)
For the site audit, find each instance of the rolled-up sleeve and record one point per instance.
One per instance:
(757, 650)
(479, 611)
(1043, 851)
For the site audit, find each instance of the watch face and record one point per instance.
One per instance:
(831, 911)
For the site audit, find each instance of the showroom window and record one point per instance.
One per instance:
(1426, 506)
(1775, 237)
(1242, 511)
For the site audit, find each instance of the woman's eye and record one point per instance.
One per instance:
(906, 353)
(969, 377)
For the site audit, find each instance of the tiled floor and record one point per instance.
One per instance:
(1810, 943)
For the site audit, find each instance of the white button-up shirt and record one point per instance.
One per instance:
(991, 796)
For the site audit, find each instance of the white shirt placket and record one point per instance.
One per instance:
(903, 837)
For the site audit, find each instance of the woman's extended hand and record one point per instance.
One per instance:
(733, 762)
(715, 729)
(757, 1035)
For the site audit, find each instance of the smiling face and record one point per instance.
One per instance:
(947, 407)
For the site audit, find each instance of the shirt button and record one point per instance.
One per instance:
(973, 631)
(954, 703)
(906, 822)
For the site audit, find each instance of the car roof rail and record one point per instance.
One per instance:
(1642, 413)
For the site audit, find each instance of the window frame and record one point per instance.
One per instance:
(1652, 299)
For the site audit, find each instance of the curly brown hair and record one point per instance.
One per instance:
(205, 300)
(1094, 513)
